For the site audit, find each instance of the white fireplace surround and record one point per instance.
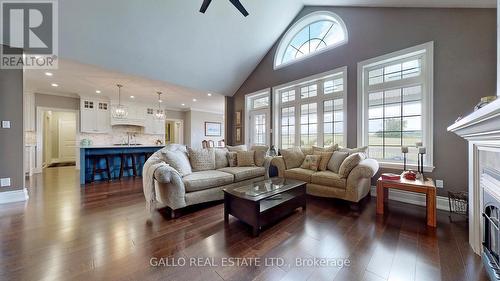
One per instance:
(482, 131)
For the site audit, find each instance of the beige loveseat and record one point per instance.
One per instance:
(353, 187)
(175, 188)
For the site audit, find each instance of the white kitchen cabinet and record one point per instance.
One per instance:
(153, 126)
(29, 112)
(94, 116)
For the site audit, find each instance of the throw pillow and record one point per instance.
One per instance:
(307, 150)
(232, 158)
(202, 159)
(311, 162)
(336, 160)
(237, 148)
(330, 148)
(349, 163)
(354, 150)
(293, 157)
(221, 158)
(260, 154)
(179, 161)
(325, 158)
(246, 158)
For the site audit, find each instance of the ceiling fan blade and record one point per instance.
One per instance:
(239, 6)
(205, 5)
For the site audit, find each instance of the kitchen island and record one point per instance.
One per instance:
(114, 153)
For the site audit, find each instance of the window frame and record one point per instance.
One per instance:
(426, 53)
(297, 27)
(320, 98)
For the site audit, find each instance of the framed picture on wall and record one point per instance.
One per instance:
(238, 118)
(238, 135)
(213, 129)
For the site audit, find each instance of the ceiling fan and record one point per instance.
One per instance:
(236, 3)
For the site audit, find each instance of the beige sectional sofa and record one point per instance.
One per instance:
(352, 186)
(177, 186)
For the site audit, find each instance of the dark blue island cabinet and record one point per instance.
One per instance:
(114, 154)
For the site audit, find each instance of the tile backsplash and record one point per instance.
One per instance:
(119, 136)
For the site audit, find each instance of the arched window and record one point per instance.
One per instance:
(314, 33)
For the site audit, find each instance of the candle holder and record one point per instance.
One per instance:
(404, 150)
(421, 151)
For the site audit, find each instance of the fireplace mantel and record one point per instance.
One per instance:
(482, 131)
(481, 124)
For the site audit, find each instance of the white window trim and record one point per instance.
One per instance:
(248, 109)
(298, 26)
(427, 49)
(320, 98)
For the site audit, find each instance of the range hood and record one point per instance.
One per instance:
(128, 122)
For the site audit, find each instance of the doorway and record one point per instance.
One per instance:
(174, 131)
(58, 138)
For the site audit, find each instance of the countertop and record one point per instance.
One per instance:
(119, 146)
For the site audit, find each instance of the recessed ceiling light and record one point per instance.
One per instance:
(132, 97)
(194, 100)
(183, 104)
(209, 94)
(97, 91)
(54, 85)
(49, 73)
(160, 100)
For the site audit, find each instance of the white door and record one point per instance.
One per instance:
(259, 127)
(67, 140)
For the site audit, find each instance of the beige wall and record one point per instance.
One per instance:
(196, 127)
(464, 68)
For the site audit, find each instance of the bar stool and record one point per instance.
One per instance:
(96, 159)
(124, 164)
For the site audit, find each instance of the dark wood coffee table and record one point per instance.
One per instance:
(264, 202)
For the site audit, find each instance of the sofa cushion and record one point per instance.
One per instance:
(336, 160)
(307, 150)
(349, 163)
(221, 158)
(299, 174)
(179, 161)
(328, 178)
(206, 179)
(293, 157)
(260, 154)
(245, 158)
(311, 162)
(243, 173)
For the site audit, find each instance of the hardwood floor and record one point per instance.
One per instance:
(65, 232)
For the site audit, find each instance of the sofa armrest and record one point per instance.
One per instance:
(279, 163)
(170, 187)
(359, 179)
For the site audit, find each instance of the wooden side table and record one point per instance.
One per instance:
(426, 187)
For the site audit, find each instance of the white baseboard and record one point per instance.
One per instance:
(413, 198)
(14, 196)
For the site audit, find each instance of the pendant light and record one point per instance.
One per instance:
(160, 114)
(120, 111)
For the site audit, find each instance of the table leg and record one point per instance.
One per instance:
(381, 197)
(431, 207)
(226, 208)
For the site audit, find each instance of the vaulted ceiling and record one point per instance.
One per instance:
(170, 41)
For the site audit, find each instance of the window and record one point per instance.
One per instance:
(257, 108)
(311, 111)
(396, 105)
(316, 32)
